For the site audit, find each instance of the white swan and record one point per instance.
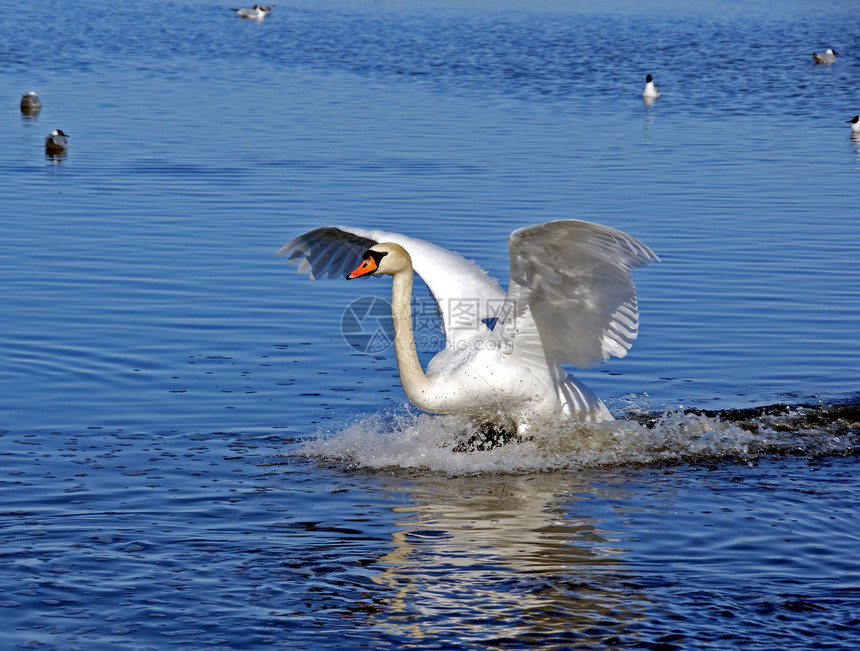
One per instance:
(570, 300)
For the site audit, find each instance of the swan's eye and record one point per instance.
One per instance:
(376, 256)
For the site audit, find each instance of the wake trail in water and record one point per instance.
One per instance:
(409, 439)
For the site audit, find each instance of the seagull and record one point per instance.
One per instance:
(650, 91)
(827, 57)
(56, 142)
(855, 126)
(30, 103)
(257, 12)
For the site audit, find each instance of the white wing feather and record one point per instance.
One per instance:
(465, 294)
(571, 297)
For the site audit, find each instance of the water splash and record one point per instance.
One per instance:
(408, 439)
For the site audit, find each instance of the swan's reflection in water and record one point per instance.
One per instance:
(506, 557)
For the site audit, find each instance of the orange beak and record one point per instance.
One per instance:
(367, 267)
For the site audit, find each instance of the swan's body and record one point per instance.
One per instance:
(855, 126)
(650, 91)
(56, 143)
(827, 57)
(570, 300)
(257, 12)
(30, 103)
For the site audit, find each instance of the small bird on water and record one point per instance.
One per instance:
(257, 12)
(30, 103)
(56, 142)
(855, 126)
(827, 57)
(650, 91)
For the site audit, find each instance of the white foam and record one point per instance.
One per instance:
(408, 439)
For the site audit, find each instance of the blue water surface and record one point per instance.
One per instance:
(191, 453)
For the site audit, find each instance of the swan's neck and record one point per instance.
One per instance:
(415, 384)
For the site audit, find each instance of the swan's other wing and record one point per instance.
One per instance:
(465, 294)
(571, 296)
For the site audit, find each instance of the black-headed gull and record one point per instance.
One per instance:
(257, 12)
(827, 57)
(56, 142)
(650, 91)
(30, 103)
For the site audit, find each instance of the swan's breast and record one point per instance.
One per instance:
(477, 379)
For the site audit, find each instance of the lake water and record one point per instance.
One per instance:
(193, 456)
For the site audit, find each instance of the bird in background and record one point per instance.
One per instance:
(56, 142)
(855, 126)
(257, 12)
(827, 57)
(30, 103)
(650, 91)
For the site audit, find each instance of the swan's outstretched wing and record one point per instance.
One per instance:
(328, 252)
(465, 294)
(571, 298)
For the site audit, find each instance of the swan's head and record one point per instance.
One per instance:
(384, 258)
